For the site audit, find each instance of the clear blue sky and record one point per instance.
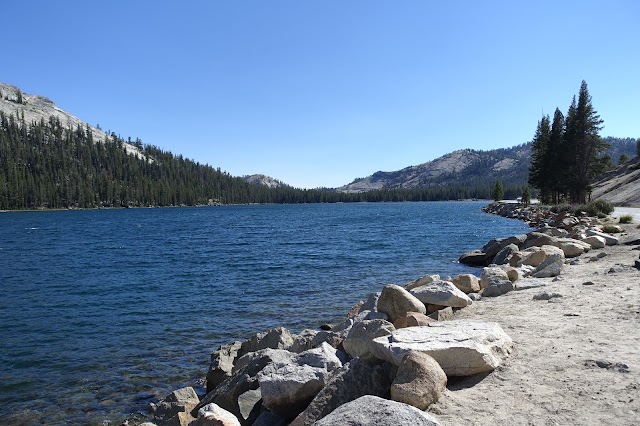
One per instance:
(317, 93)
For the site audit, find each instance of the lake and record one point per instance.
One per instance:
(102, 311)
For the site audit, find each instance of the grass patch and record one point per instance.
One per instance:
(611, 229)
(626, 219)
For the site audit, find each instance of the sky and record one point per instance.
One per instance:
(318, 93)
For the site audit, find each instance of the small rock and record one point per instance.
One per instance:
(213, 415)
(588, 283)
(412, 319)
(546, 296)
(473, 296)
(445, 314)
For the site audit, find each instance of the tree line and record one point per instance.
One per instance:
(46, 165)
(568, 152)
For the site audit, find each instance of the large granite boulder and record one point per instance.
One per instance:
(276, 338)
(179, 401)
(538, 239)
(413, 319)
(221, 364)
(395, 301)
(551, 267)
(492, 275)
(609, 239)
(461, 347)
(571, 247)
(353, 380)
(467, 283)
(441, 293)
(504, 255)
(357, 341)
(534, 256)
(372, 410)
(419, 381)
(595, 241)
(287, 388)
(426, 279)
(243, 379)
(498, 288)
(214, 415)
(475, 258)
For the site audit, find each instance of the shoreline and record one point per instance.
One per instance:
(461, 395)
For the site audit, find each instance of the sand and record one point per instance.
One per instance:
(557, 373)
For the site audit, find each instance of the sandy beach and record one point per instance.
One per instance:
(576, 358)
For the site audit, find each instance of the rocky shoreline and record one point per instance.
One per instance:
(395, 353)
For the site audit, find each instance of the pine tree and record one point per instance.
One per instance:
(540, 167)
(623, 159)
(583, 145)
(526, 196)
(554, 159)
(498, 191)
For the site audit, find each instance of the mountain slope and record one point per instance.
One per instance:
(620, 186)
(460, 168)
(34, 108)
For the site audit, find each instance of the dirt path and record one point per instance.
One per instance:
(557, 373)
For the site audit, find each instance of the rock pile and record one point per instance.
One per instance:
(390, 359)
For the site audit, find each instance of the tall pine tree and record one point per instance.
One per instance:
(583, 145)
(539, 169)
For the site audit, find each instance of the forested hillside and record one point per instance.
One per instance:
(45, 165)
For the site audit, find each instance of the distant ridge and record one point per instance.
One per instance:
(465, 167)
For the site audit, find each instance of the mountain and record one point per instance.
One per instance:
(620, 186)
(465, 167)
(34, 108)
(263, 180)
(471, 168)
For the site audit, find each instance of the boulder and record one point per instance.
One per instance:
(497, 288)
(426, 279)
(461, 347)
(536, 255)
(214, 415)
(504, 255)
(445, 314)
(267, 418)
(395, 301)
(303, 341)
(357, 341)
(551, 267)
(571, 247)
(180, 419)
(492, 274)
(178, 401)
(370, 315)
(221, 364)
(595, 241)
(467, 283)
(243, 379)
(609, 239)
(413, 319)
(353, 380)
(419, 381)
(475, 258)
(276, 338)
(372, 410)
(287, 388)
(538, 239)
(371, 303)
(442, 293)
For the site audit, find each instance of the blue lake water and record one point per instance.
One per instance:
(101, 311)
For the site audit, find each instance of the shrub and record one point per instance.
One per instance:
(610, 229)
(626, 218)
(558, 208)
(599, 208)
